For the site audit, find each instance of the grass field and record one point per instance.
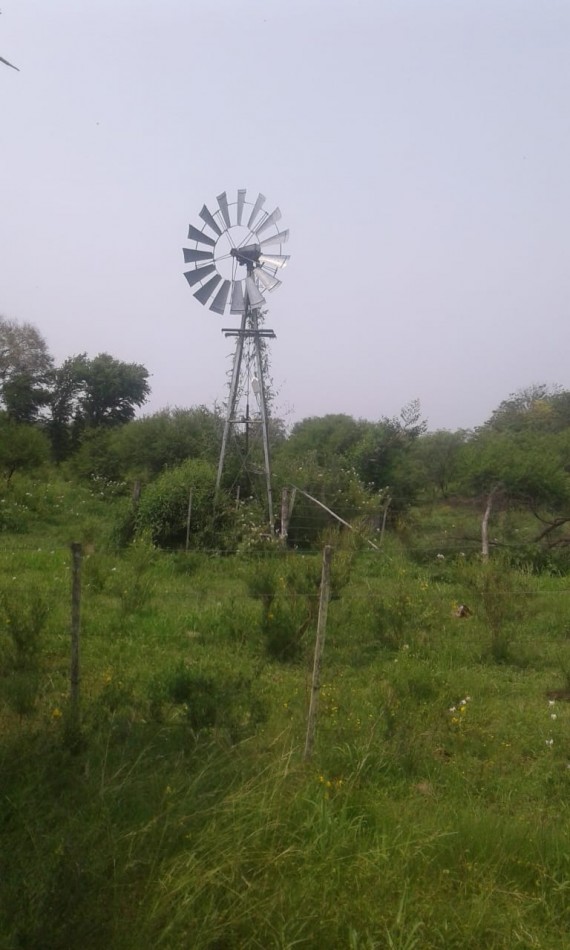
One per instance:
(434, 813)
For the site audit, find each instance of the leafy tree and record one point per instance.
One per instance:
(95, 456)
(22, 447)
(98, 393)
(539, 408)
(147, 446)
(528, 467)
(25, 370)
(326, 437)
(63, 404)
(383, 459)
(112, 390)
(438, 454)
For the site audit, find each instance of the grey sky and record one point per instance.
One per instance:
(418, 149)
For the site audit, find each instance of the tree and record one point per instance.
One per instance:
(539, 408)
(67, 383)
(438, 453)
(383, 459)
(327, 437)
(22, 447)
(25, 370)
(98, 393)
(111, 390)
(525, 470)
(527, 467)
(147, 446)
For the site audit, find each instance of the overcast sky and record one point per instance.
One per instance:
(419, 151)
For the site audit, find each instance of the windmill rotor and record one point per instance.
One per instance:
(236, 254)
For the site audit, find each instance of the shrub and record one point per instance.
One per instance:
(134, 585)
(23, 622)
(210, 699)
(163, 507)
(288, 589)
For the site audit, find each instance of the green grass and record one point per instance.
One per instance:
(424, 820)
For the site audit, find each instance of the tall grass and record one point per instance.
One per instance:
(433, 815)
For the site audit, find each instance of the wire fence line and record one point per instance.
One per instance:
(440, 577)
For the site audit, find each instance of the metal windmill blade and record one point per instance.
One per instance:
(254, 295)
(195, 235)
(272, 218)
(191, 256)
(238, 301)
(256, 209)
(240, 203)
(268, 281)
(209, 219)
(225, 211)
(206, 291)
(198, 274)
(219, 302)
(275, 260)
(280, 238)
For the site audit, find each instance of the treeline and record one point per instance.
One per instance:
(81, 417)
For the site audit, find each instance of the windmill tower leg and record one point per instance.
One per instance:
(230, 412)
(264, 417)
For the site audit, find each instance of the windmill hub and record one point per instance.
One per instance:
(246, 255)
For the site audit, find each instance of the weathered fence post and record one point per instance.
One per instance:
(384, 518)
(188, 519)
(285, 515)
(319, 648)
(485, 525)
(136, 493)
(76, 557)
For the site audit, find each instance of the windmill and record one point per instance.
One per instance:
(235, 257)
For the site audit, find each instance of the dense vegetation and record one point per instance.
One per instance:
(178, 811)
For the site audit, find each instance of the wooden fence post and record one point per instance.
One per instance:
(136, 493)
(485, 525)
(285, 514)
(384, 517)
(76, 557)
(319, 648)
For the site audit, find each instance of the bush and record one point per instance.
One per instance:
(22, 448)
(163, 507)
(288, 589)
(210, 699)
(23, 623)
